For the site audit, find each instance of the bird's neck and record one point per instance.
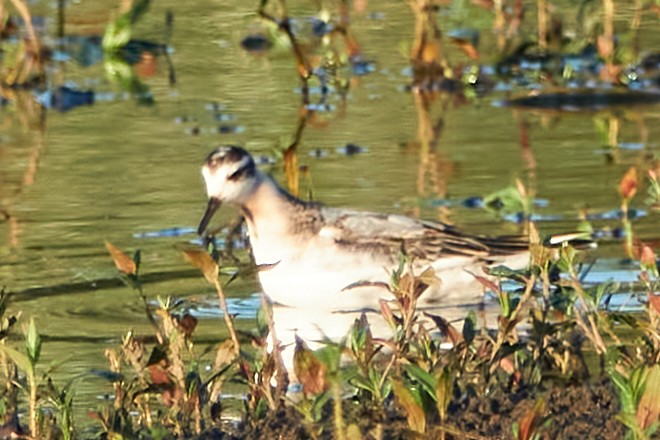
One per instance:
(269, 216)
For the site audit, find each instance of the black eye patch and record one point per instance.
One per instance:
(246, 170)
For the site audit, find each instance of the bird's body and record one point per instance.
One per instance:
(340, 260)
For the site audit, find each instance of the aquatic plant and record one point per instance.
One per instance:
(117, 36)
(426, 374)
(24, 373)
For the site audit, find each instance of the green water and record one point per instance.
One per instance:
(115, 170)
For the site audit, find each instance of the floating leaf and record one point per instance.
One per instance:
(123, 262)
(203, 262)
(628, 185)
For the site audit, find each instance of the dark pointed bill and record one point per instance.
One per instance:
(212, 206)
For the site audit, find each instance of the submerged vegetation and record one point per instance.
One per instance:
(559, 361)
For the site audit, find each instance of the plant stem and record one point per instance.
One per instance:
(228, 320)
(33, 403)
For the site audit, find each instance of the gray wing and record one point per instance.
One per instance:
(391, 234)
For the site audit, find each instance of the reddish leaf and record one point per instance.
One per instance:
(446, 328)
(488, 284)
(94, 415)
(648, 410)
(309, 370)
(188, 324)
(431, 52)
(628, 185)
(654, 302)
(531, 421)
(159, 375)
(647, 257)
(123, 262)
(467, 48)
(386, 311)
(507, 364)
(484, 350)
(605, 46)
(171, 395)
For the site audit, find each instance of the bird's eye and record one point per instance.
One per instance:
(238, 173)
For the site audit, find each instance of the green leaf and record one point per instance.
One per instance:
(137, 259)
(261, 408)
(362, 383)
(626, 396)
(637, 383)
(330, 356)
(469, 327)
(120, 73)
(118, 33)
(361, 341)
(318, 403)
(33, 342)
(414, 411)
(507, 200)
(631, 422)
(425, 380)
(443, 391)
(22, 361)
(262, 319)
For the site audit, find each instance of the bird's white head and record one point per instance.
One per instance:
(231, 176)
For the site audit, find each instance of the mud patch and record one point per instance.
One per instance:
(583, 411)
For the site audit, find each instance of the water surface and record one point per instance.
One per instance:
(129, 173)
